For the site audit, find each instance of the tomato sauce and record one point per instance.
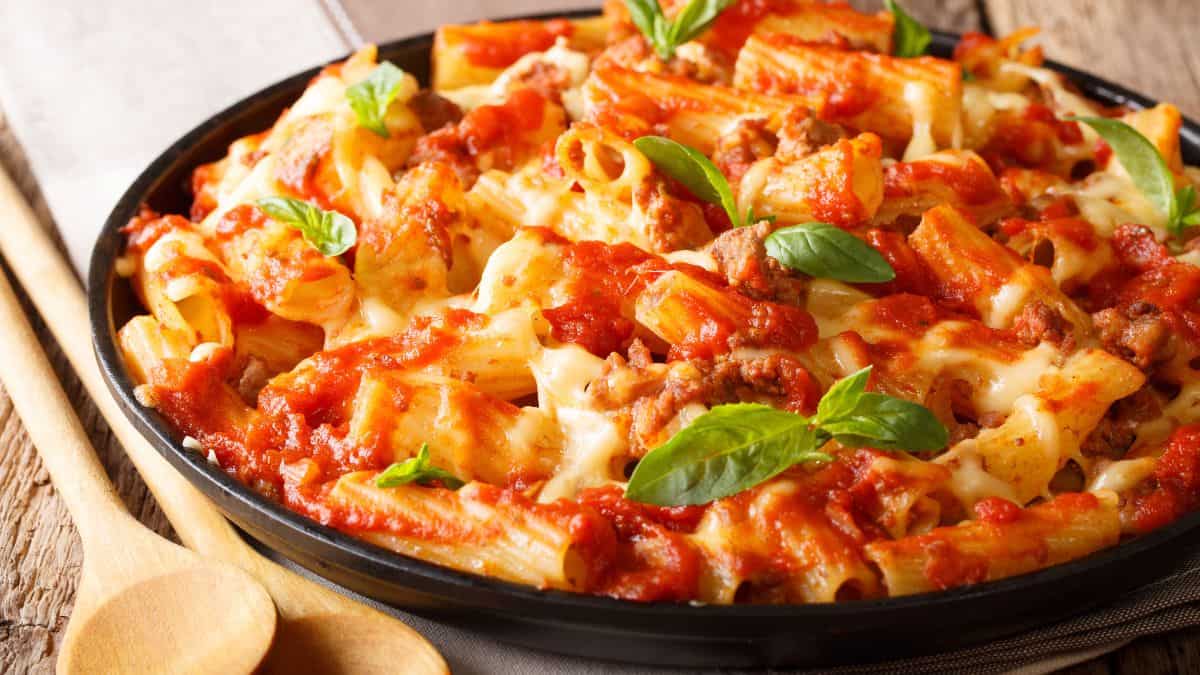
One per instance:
(1030, 139)
(653, 561)
(240, 219)
(948, 567)
(147, 227)
(1177, 478)
(492, 45)
(735, 25)
(490, 126)
(912, 274)
(972, 182)
(997, 510)
(606, 279)
(204, 185)
(503, 130)
(911, 314)
(1075, 230)
(592, 322)
(831, 198)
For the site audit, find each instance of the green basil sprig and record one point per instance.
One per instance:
(666, 35)
(329, 232)
(371, 97)
(909, 37)
(1148, 170)
(416, 470)
(698, 174)
(734, 447)
(857, 418)
(690, 167)
(828, 252)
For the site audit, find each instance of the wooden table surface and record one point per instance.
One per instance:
(1148, 45)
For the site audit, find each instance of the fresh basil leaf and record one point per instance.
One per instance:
(752, 217)
(1185, 200)
(416, 470)
(889, 423)
(724, 451)
(666, 35)
(329, 232)
(696, 18)
(690, 167)
(843, 396)
(1142, 161)
(648, 17)
(909, 37)
(856, 417)
(370, 98)
(828, 252)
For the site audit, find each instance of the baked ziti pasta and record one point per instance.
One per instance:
(715, 301)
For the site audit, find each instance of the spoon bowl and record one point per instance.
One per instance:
(191, 619)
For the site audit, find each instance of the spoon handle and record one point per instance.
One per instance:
(52, 286)
(64, 447)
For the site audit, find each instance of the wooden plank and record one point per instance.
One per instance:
(956, 16)
(40, 553)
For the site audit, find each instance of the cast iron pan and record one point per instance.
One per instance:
(659, 633)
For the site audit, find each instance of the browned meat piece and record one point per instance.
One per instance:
(702, 64)
(950, 400)
(738, 149)
(1137, 332)
(1039, 323)
(446, 147)
(433, 110)
(547, 79)
(1116, 432)
(673, 223)
(694, 61)
(742, 258)
(777, 377)
(254, 377)
(802, 134)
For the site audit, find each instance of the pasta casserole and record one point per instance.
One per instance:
(712, 301)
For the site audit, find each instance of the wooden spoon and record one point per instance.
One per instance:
(144, 604)
(318, 628)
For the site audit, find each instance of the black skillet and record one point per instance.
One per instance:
(659, 633)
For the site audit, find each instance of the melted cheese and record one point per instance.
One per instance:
(593, 439)
(1108, 198)
(1003, 382)
(1009, 300)
(969, 480)
(1055, 446)
(828, 301)
(574, 64)
(1053, 85)
(1122, 476)
(980, 105)
(921, 100)
(1183, 409)
(701, 259)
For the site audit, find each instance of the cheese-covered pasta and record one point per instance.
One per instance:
(526, 299)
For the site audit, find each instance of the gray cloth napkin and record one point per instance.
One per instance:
(95, 90)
